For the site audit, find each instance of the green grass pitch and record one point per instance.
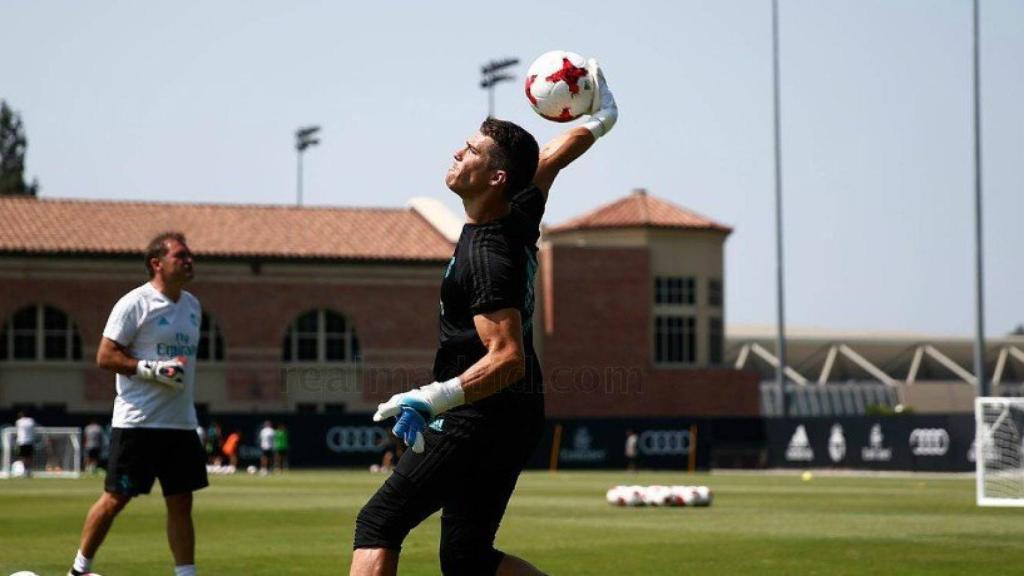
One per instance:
(302, 522)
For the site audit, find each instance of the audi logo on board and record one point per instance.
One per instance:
(664, 442)
(929, 442)
(356, 438)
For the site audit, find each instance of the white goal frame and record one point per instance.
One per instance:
(9, 448)
(984, 444)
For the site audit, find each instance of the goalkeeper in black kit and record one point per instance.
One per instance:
(474, 428)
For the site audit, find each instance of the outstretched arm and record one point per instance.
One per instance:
(572, 143)
(559, 153)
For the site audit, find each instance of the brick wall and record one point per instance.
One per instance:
(597, 349)
(395, 320)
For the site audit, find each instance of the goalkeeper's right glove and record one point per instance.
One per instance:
(167, 372)
(416, 408)
(603, 111)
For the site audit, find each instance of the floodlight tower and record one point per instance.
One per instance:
(780, 338)
(304, 138)
(491, 74)
(984, 388)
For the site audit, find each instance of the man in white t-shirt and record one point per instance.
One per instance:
(266, 446)
(25, 437)
(150, 342)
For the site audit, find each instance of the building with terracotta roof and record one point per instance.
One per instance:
(657, 322)
(313, 309)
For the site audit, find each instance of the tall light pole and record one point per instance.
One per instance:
(780, 339)
(304, 138)
(491, 74)
(979, 284)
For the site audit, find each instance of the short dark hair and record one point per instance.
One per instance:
(158, 248)
(516, 152)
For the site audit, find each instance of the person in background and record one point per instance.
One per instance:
(213, 445)
(25, 437)
(281, 448)
(93, 445)
(631, 441)
(267, 434)
(230, 448)
(392, 452)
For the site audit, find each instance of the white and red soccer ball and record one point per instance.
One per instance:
(560, 86)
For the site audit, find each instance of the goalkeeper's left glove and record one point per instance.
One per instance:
(417, 407)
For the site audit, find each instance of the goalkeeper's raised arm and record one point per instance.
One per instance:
(571, 144)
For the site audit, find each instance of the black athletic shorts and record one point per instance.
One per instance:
(26, 450)
(138, 456)
(93, 453)
(468, 470)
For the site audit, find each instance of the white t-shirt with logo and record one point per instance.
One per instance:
(266, 438)
(153, 327)
(26, 430)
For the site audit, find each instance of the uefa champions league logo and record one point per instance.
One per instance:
(581, 450)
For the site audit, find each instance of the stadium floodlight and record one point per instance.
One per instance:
(305, 137)
(780, 371)
(492, 74)
(979, 257)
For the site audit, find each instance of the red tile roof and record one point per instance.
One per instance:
(29, 225)
(639, 210)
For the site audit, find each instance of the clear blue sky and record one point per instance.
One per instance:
(190, 101)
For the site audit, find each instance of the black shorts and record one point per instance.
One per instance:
(268, 454)
(469, 471)
(138, 456)
(26, 450)
(93, 453)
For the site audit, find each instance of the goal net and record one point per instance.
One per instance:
(57, 453)
(999, 423)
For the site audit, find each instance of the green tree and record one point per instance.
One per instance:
(12, 155)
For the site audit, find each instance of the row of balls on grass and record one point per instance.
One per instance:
(659, 496)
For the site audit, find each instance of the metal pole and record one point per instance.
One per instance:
(780, 340)
(299, 187)
(979, 287)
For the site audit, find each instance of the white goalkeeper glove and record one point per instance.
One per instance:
(603, 112)
(167, 372)
(415, 408)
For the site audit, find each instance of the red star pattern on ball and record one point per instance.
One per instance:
(570, 75)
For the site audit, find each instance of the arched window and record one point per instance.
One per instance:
(321, 336)
(211, 343)
(40, 333)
